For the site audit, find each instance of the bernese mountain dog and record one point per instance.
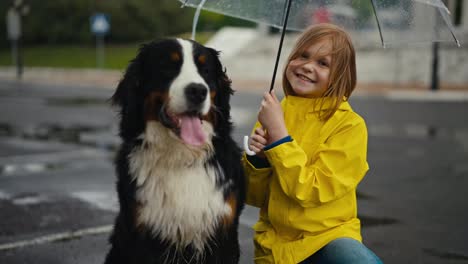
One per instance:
(180, 183)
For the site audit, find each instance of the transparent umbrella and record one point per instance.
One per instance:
(386, 22)
(392, 22)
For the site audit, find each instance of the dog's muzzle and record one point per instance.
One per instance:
(195, 95)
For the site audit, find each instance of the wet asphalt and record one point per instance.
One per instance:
(57, 192)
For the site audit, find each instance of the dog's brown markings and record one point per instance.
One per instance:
(212, 95)
(152, 103)
(232, 202)
(175, 56)
(202, 59)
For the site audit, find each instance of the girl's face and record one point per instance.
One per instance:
(309, 73)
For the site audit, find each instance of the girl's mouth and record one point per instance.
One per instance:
(304, 78)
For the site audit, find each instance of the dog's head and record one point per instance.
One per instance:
(178, 83)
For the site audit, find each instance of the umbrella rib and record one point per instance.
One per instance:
(449, 24)
(378, 23)
(285, 23)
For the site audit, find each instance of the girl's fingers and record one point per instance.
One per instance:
(260, 131)
(255, 146)
(259, 139)
(273, 94)
(267, 97)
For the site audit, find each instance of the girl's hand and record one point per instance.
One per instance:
(271, 117)
(258, 141)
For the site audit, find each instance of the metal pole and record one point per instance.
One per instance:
(14, 52)
(100, 56)
(435, 67)
(19, 69)
(435, 60)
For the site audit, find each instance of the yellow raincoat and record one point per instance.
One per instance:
(308, 195)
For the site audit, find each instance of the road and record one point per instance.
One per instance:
(58, 201)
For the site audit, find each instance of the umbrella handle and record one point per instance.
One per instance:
(246, 147)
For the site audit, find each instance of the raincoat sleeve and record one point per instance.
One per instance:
(335, 168)
(258, 181)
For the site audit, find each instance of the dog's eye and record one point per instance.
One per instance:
(202, 59)
(175, 57)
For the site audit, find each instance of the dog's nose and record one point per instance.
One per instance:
(196, 93)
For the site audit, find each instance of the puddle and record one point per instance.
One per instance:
(5, 130)
(57, 132)
(371, 221)
(4, 195)
(29, 199)
(444, 254)
(28, 168)
(76, 101)
(49, 214)
(100, 137)
(363, 196)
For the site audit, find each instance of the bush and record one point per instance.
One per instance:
(68, 21)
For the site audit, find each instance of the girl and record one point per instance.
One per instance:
(310, 156)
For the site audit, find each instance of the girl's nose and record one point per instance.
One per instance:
(308, 66)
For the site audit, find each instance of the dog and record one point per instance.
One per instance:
(180, 183)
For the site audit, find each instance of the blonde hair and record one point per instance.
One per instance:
(342, 79)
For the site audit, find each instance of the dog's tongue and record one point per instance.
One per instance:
(191, 131)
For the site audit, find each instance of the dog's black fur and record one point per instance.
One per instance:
(142, 97)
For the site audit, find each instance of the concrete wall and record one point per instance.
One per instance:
(393, 67)
(413, 65)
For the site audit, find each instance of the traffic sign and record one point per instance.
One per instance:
(100, 24)
(13, 24)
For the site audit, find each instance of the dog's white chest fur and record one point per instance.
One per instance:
(177, 192)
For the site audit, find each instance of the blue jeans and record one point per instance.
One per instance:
(343, 251)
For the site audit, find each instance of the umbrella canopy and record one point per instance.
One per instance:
(389, 22)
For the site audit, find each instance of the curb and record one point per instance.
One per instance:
(109, 79)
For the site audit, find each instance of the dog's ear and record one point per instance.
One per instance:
(128, 97)
(223, 95)
(223, 83)
(129, 84)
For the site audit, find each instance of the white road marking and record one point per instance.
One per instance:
(101, 200)
(57, 237)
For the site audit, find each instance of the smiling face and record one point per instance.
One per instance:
(309, 71)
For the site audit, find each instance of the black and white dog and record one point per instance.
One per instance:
(180, 183)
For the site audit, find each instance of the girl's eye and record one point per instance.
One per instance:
(304, 56)
(323, 63)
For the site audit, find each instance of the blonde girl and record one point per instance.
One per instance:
(311, 153)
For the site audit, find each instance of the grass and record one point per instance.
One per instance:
(72, 56)
(80, 56)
